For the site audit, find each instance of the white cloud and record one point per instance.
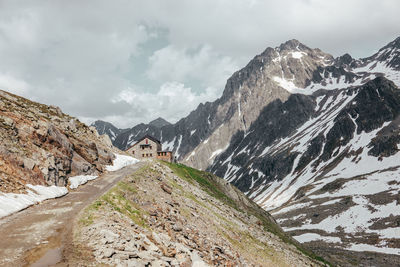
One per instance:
(183, 64)
(11, 84)
(79, 54)
(172, 101)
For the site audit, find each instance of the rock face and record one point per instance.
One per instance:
(171, 215)
(41, 145)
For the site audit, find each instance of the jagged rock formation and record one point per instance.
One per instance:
(196, 219)
(42, 145)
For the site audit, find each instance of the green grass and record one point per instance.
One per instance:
(117, 199)
(204, 180)
(88, 214)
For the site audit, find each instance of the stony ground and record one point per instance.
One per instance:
(171, 215)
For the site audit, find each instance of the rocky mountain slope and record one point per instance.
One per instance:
(40, 145)
(326, 162)
(172, 215)
(314, 139)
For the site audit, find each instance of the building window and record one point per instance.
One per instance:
(143, 155)
(151, 154)
(133, 152)
(151, 147)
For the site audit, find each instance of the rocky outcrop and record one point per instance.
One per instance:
(42, 145)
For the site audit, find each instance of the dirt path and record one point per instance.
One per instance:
(38, 234)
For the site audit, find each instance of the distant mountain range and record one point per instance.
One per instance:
(312, 138)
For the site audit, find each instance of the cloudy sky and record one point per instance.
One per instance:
(131, 61)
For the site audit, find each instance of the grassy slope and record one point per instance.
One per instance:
(218, 188)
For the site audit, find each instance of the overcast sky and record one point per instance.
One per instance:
(132, 61)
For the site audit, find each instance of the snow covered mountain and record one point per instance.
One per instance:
(326, 162)
(198, 138)
(312, 138)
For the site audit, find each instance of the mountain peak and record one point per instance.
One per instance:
(100, 122)
(159, 122)
(292, 44)
(395, 43)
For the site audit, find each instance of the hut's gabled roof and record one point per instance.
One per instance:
(144, 137)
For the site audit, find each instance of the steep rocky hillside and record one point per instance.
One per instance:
(41, 145)
(172, 215)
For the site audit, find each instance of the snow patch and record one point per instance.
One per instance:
(308, 237)
(80, 180)
(366, 247)
(121, 161)
(297, 54)
(11, 203)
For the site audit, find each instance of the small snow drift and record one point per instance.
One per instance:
(11, 203)
(80, 180)
(121, 161)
